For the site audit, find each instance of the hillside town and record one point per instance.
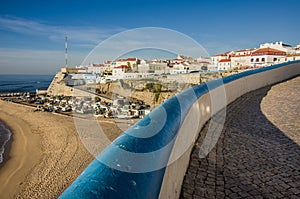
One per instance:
(99, 88)
(134, 68)
(266, 55)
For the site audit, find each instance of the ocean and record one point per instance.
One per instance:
(24, 83)
(19, 83)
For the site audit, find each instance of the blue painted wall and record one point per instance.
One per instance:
(119, 171)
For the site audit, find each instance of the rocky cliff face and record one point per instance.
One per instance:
(152, 91)
(58, 87)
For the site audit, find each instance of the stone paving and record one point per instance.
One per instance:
(253, 158)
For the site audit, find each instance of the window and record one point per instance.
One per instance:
(252, 60)
(257, 60)
(275, 59)
(263, 59)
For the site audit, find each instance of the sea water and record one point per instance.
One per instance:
(24, 83)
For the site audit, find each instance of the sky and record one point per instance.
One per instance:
(32, 33)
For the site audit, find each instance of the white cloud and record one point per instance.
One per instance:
(40, 61)
(76, 33)
(45, 61)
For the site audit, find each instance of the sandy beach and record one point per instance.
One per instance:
(46, 153)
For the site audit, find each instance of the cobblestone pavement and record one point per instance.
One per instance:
(277, 111)
(253, 158)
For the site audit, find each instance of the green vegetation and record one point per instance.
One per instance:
(97, 99)
(156, 97)
(154, 88)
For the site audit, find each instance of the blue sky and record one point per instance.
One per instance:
(32, 32)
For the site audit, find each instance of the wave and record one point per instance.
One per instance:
(5, 136)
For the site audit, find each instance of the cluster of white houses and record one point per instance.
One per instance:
(131, 68)
(267, 54)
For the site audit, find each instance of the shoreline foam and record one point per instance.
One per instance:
(6, 145)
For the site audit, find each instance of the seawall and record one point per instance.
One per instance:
(150, 159)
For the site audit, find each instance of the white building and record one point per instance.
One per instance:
(265, 57)
(201, 63)
(224, 64)
(297, 49)
(119, 71)
(96, 68)
(81, 69)
(241, 58)
(216, 58)
(89, 78)
(268, 54)
(123, 72)
(178, 67)
(158, 68)
(279, 46)
(289, 58)
(212, 67)
(143, 67)
(203, 59)
(198, 66)
(131, 62)
(181, 66)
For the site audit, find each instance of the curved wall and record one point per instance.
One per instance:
(134, 165)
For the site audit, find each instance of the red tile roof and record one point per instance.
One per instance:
(244, 50)
(222, 54)
(122, 66)
(128, 59)
(245, 55)
(225, 60)
(268, 51)
(131, 59)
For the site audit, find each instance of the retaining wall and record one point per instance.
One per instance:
(150, 159)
